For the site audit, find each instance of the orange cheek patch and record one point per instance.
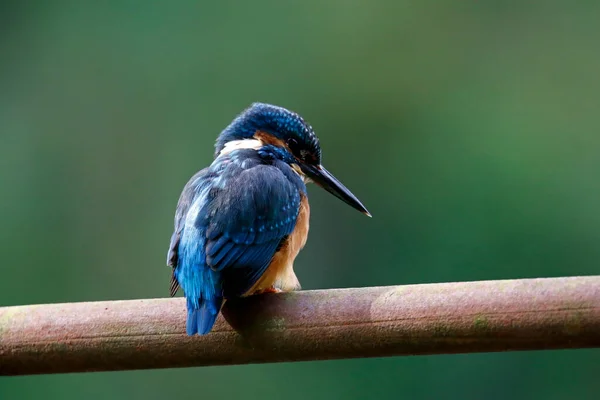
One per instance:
(267, 138)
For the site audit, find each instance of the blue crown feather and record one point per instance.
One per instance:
(277, 121)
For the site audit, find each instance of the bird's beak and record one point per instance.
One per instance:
(323, 178)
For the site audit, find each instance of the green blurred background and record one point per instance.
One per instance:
(471, 131)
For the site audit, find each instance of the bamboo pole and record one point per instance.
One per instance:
(528, 314)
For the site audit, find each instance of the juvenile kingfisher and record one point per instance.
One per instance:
(241, 222)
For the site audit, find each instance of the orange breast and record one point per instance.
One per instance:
(280, 273)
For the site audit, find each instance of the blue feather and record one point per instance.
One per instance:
(227, 233)
(200, 320)
(277, 121)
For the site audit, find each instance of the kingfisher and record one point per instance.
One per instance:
(241, 222)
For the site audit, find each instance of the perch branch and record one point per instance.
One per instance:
(465, 317)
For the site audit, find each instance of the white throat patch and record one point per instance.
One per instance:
(241, 144)
(296, 168)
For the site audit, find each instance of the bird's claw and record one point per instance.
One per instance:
(269, 290)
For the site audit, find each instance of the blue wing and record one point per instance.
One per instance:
(185, 200)
(233, 216)
(248, 220)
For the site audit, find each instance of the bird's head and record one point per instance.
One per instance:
(264, 126)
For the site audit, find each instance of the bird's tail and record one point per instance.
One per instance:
(201, 316)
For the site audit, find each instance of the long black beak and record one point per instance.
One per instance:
(323, 178)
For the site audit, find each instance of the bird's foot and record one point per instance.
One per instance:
(269, 290)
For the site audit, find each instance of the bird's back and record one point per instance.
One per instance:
(232, 219)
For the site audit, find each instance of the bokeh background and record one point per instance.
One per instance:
(471, 131)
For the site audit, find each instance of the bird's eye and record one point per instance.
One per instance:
(292, 144)
(299, 152)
